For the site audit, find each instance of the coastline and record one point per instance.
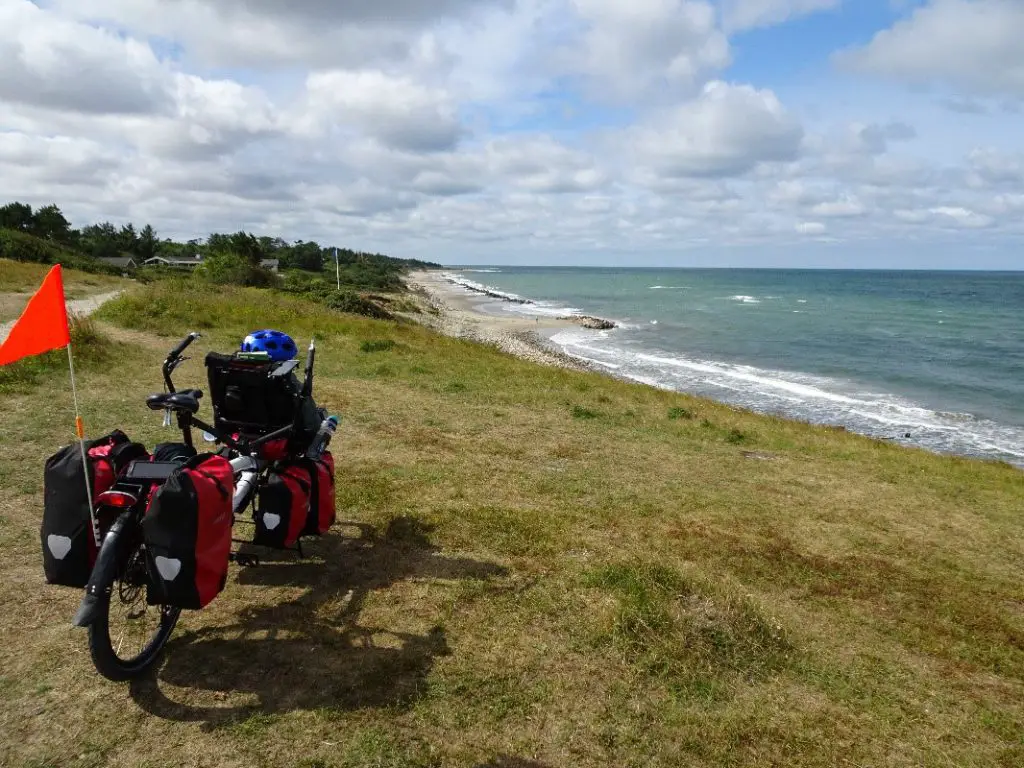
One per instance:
(454, 311)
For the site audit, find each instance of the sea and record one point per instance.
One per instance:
(932, 359)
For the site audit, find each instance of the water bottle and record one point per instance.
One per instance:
(322, 437)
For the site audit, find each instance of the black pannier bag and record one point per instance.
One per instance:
(69, 550)
(187, 532)
(282, 508)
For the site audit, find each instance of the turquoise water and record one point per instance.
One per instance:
(938, 355)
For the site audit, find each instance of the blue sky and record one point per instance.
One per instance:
(655, 132)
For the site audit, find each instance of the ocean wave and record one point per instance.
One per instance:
(541, 308)
(808, 398)
(669, 287)
(488, 271)
(486, 290)
(746, 299)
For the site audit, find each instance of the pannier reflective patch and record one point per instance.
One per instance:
(59, 545)
(169, 567)
(271, 521)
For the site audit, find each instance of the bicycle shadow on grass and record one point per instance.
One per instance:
(311, 653)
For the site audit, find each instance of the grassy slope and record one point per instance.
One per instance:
(19, 279)
(544, 569)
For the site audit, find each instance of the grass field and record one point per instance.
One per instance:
(19, 280)
(536, 568)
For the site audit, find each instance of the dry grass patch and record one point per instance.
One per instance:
(19, 280)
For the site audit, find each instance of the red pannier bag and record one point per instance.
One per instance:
(69, 549)
(322, 508)
(282, 507)
(187, 532)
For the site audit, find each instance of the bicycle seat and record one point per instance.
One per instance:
(186, 400)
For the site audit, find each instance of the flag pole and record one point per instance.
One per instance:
(337, 268)
(80, 431)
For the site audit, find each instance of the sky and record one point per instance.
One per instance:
(758, 133)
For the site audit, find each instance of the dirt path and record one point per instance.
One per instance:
(83, 307)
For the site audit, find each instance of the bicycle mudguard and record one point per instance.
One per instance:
(104, 572)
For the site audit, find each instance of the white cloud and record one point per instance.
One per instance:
(739, 15)
(811, 228)
(727, 130)
(210, 117)
(540, 164)
(536, 126)
(52, 62)
(266, 35)
(55, 160)
(973, 45)
(398, 111)
(949, 217)
(845, 207)
(989, 167)
(631, 48)
(320, 12)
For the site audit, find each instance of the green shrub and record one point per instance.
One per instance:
(735, 436)
(89, 347)
(234, 269)
(381, 345)
(679, 413)
(20, 246)
(354, 304)
(579, 412)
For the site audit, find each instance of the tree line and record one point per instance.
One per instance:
(105, 239)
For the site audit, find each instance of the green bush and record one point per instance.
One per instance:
(579, 412)
(20, 246)
(91, 349)
(234, 269)
(736, 436)
(353, 303)
(679, 413)
(381, 345)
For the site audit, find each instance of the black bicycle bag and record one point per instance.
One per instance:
(69, 549)
(187, 532)
(282, 508)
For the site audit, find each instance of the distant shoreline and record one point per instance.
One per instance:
(452, 310)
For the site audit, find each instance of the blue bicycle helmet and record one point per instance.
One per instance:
(278, 345)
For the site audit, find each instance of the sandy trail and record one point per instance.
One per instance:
(81, 307)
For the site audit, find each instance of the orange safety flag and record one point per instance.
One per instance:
(43, 325)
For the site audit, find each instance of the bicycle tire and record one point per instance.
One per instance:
(101, 648)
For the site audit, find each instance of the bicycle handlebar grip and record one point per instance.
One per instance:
(184, 344)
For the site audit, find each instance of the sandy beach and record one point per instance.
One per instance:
(454, 310)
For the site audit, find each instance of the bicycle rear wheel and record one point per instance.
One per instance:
(128, 634)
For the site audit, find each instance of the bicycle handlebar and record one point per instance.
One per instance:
(176, 352)
(174, 357)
